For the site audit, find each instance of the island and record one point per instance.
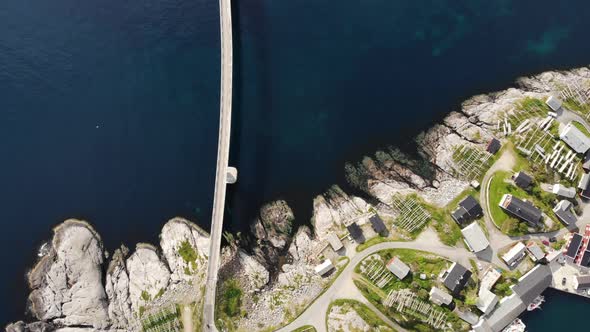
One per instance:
(464, 235)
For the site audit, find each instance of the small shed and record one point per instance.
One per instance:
(439, 296)
(522, 180)
(377, 224)
(535, 252)
(324, 268)
(398, 268)
(514, 254)
(563, 191)
(581, 282)
(334, 241)
(563, 211)
(553, 103)
(494, 146)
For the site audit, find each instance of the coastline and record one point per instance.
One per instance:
(262, 270)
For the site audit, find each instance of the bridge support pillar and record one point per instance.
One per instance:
(232, 175)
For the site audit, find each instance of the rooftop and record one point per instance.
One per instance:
(576, 139)
(456, 278)
(564, 212)
(377, 223)
(533, 283)
(522, 179)
(475, 237)
(574, 245)
(553, 103)
(398, 268)
(521, 209)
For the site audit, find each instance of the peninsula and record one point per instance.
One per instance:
(464, 235)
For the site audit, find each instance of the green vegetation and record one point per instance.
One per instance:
(364, 312)
(187, 252)
(500, 185)
(574, 105)
(145, 296)
(229, 304)
(558, 244)
(502, 287)
(581, 128)
(447, 229)
(471, 163)
(533, 105)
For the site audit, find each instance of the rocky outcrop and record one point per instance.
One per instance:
(272, 230)
(334, 208)
(117, 289)
(67, 283)
(185, 247)
(148, 276)
(67, 293)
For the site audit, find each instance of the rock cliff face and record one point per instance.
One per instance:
(67, 283)
(272, 230)
(67, 293)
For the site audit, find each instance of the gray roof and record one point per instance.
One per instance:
(509, 309)
(533, 283)
(575, 138)
(574, 245)
(584, 181)
(397, 267)
(377, 223)
(553, 103)
(564, 212)
(521, 209)
(536, 251)
(522, 179)
(586, 162)
(583, 282)
(493, 146)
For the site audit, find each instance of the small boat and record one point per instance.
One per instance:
(516, 326)
(536, 304)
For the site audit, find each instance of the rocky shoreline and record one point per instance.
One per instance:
(276, 273)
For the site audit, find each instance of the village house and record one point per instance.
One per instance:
(584, 181)
(456, 278)
(563, 191)
(522, 180)
(334, 241)
(486, 301)
(553, 103)
(535, 252)
(581, 282)
(398, 268)
(377, 224)
(493, 146)
(439, 296)
(468, 210)
(573, 246)
(475, 238)
(356, 233)
(563, 211)
(515, 254)
(575, 138)
(521, 209)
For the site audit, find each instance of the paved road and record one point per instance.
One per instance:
(222, 163)
(565, 116)
(344, 288)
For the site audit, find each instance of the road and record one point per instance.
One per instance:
(344, 288)
(225, 105)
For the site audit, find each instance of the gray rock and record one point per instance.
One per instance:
(148, 276)
(117, 289)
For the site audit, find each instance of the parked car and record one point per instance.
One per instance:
(553, 239)
(545, 242)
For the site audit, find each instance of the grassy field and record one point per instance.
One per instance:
(581, 128)
(508, 224)
(364, 312)
(306, 328)
(447, 229)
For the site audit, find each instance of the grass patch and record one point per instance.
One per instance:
(581, 128)
(507, 279)
(164, 319)
(447, 229)
(371, 242)
(573, 105)
(305, 328)
(364, 312)
(229, 304)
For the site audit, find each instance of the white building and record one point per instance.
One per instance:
(440, 297)
(334, 241)
(563, 191)
(514, 254)
(324, 268)
(576, 139)
(397, 267)
(553, 103)
(486, 301)
(475, 238)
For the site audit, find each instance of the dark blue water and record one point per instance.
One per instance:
(560, 312)
(318, 83)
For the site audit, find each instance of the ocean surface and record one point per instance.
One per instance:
(109, 109)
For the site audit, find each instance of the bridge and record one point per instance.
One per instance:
(223, 173)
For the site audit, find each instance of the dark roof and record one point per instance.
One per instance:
(471, 205)
(522, 179)
(456, 278)
(533, 283)
(574, 246)
(523, 210)
(564, 212)
(355, 231)
(493, 146)
(461, 215)
(377, 224)
(585, 259)
(586, 163)
(585, 193)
